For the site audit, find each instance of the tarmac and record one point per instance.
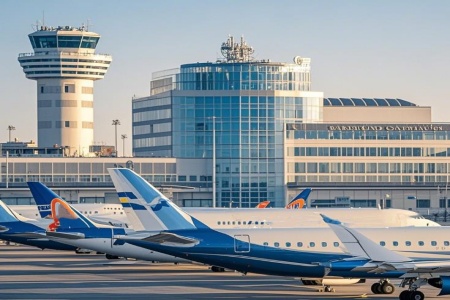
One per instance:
(30, 273)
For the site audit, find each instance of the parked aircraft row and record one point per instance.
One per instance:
(114, 214)
(418, 255)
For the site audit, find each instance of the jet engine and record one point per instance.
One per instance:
(442, 283)
(331, 281)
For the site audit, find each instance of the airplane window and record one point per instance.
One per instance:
(121, 213)
(312, 244)
(249, 222)
(395, 243)
(276, 244)
(96, 212)
(382, 243)
(114, 212)
(433, 243)
(256, 223)
(239, 222)
(288, 244)
(218, 223)
(408, 243)
(234, 222)
(421, 243)
(324, 244)
(299, 244)
(244, 223)
(446, 243)
(336, 244)
(262, 223)
(266, 244)
(228, 222)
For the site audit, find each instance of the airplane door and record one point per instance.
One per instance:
(241, 243)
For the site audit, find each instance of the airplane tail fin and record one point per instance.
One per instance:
(7, 214)
(65, 216)
(146, 207)
(263, 204)
(359, 245)
(43, 197)
(300, 200)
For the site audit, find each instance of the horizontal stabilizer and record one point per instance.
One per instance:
(163, 238)
(65, 235)
(30, 235)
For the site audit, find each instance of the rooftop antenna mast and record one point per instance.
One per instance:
(234, 52)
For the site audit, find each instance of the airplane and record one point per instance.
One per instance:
(295, 252)
(108, 213)
(17, 229)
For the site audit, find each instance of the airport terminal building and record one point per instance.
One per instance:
(241, 131)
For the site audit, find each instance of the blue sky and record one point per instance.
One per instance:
(386, 49)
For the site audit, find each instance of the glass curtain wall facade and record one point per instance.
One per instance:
(245, 105)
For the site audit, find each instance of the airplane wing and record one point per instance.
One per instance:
(164, 238)
(381, 259)
(65, 235)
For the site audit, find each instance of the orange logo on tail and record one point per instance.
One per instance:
(297, 204)
(60, 208)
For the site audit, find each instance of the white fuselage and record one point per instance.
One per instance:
(261, 218)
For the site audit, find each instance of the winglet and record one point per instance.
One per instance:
(330, 220)
(359, 245)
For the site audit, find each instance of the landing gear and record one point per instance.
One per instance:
(412, 293)
(326, 289)
(382, 287)
(217, 269)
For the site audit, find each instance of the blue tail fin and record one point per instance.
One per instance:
(43, 197)
(300, 200)
(51, 205)
(146, 207)
(6, 214)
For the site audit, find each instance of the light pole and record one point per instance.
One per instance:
(115, 123)
(214, 161)
(10, 128)
(386, 197)
(123, 137)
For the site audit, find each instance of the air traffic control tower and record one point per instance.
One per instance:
(65, 66)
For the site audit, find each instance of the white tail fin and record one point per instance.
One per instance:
(146, 207)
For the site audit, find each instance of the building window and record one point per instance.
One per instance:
(423, 203)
